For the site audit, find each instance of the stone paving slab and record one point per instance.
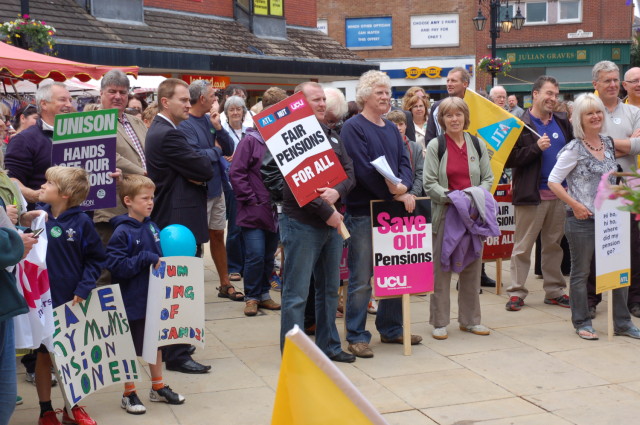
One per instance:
(531, 370)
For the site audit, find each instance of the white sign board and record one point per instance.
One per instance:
(323, 26)
(435, 30)
(613, 238)
(92, 345)
(175, 305)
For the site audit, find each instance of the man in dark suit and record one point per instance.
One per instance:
(180, 173)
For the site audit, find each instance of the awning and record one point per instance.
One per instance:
(35, 67)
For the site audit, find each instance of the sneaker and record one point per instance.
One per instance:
(439, 333)
(276, 283)
(361, 349)
(415, 340)
(251, 308)
(132, 404)
(269, 304)
(476, 329)
(166, 395)
(562, 301)
(80, 417)
(372, 308)
(49, 418)
(632, 332)
(19, 401)
(514, 304)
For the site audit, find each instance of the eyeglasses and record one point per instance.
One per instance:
(633, 82)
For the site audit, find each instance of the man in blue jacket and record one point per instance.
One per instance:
(368, 136)
(204, 132)
(29, 153)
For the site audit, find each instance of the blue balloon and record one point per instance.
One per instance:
(177, 240)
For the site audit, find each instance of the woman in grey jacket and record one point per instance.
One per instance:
(464, 163)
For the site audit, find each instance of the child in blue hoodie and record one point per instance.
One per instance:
(75, 257)
(134, 246)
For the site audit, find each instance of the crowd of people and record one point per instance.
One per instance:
(194, 158)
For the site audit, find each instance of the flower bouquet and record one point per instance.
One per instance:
(29, 34)
(494, 65)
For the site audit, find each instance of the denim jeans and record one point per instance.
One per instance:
(581, 237)
(360, 260)
(308, 251)
(235, 243)
(258, 263)
(8, 389)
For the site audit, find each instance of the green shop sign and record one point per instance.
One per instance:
(545, 56)
(563, 55)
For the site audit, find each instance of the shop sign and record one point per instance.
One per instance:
(216, 81)
(580, 34)
(435, 30)
(368, 33)
(547, 56)
(323, 26)
(414, 72)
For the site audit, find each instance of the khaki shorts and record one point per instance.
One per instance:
(217, 213)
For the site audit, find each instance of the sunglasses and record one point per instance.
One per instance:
(133, 111)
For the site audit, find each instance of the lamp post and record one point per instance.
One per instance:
(497, 24)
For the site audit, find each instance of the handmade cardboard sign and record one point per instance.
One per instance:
(175, 305)
(92, 345)
(300, 147)
(88, 140)
(402, 248)
(496, 247)
(613, 238)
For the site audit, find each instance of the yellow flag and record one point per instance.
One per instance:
(313, 391)
(496, 127)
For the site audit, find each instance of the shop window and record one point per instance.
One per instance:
(536, 12)
(570, 11)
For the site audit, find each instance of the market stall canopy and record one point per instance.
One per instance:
(73, 85)
(35, 67)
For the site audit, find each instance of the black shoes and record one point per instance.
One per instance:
(343, 357)
(189, 366)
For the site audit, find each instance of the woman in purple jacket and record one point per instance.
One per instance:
(256, 216)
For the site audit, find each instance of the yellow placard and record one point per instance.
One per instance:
(613, 280)
(276, 7)
(260, 7)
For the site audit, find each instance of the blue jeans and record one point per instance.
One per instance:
(581, 237)
(311, 250)
(8, 389)
(360, 260)
(235, 243)
(258, 263)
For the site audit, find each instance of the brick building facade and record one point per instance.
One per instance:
(563, 38)
(257, 43)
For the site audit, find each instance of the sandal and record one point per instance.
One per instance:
(587, 332)
(228, 291)
(235, 277)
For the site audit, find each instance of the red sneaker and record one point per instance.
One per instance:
(49, 418)
(80, 417)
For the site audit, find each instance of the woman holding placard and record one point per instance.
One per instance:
(455, 161)
(583, 162)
